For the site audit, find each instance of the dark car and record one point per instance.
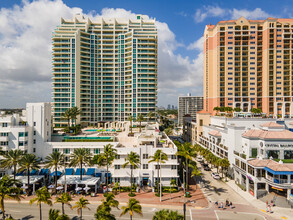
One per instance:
(206, 168)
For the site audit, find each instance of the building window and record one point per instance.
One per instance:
(145, 156)
(34, 150)
(4, 125)
(173, 157)
(35, 123)
(173, 167)
(55, 150)
(97, 150)
(117, 157)
(145, 166)
(117, 167)
(35, 132)
(35, 141)
(200, 122)
(117, 179)
(157, 167)
(66, 151)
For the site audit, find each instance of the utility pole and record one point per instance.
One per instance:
(160, 178)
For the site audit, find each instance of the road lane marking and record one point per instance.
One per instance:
(190, 214)
(216, 214)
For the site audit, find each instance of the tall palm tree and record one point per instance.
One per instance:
(133, 160)
(130, 119)
(67, 115)
(166, 214)
(53, 214)
(150, 115)
(106, 159)
(104, 210)
(54, 160)
(195, 171)
(80, 157)
(65, 198)
(173, 182)
(140, 119)
(187, 151)
(159, 157)
(42, 196)
(28, 162)
(81, 204)
(11, 159)
(75, 111)
(132, 207)
(8, 191)
(224, 163)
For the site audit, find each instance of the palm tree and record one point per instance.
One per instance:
(168, 131)
(187, 151)
(8, 191)
(106, 159)
(81, 204)
(133, 160)
(173, 182)
(11, 159)
(237, 109)
(132, 207)
(166, 214)
(42, 196)
(28, 162)
(53, 214)
(140, 119)
(67, 115)
(159, 157)
(130, 119)
(75, 111)
(54, 160)
(104, 213)
(80, 157)
(150, 115)
(65, 198)
(103, 210)
(195, 172)
(224, 163)
(217, 109)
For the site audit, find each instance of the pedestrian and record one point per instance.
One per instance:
(222, 205)
(272, 203)
(270, 209)
(231, 205)
(216, 203)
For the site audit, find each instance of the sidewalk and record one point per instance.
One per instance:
(278, 212)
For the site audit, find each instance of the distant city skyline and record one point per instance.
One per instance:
(27, 26)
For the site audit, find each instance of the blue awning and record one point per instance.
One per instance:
(33, 172)
(20, 173)
(278, 172)
(43, 172)
(98, 175)
(109, 174)
(78, 171)
(90, 171)
(69, 171)
(58, 173)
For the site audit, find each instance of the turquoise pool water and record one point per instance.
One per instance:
(102, 130)
(88, 138)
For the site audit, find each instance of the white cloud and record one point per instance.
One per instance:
(257, 13)
(25, 58)
(215, 11)
(208, 11)
(196, 45)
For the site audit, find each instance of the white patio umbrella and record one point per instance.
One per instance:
(86, 188)
(59, 187)
(24, 187)
(78, 189)
(51, 186)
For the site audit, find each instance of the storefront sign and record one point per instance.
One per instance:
(279, 145)
(277, 188)
(291, 197)
(251, 192)
(249, 177)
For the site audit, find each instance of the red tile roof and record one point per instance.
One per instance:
(215, 133)
(261, 134)
(273, 165)
(272, 125)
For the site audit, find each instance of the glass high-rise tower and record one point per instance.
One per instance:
(106, 67)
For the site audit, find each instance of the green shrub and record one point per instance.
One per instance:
(131, 194)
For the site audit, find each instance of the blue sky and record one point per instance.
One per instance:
(25, 63)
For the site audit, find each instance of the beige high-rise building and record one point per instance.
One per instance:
(248, 64)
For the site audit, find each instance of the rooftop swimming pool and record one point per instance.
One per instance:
(97, 130)
(72, 139)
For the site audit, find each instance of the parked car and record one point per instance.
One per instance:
(216, 176)
(206, 168)
(199, 159)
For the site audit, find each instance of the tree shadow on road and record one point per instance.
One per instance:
(27, 217)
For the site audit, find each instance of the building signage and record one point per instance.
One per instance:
(279, 145)
(291, 197)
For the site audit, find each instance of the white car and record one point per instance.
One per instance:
(199, 159)
(216, 176)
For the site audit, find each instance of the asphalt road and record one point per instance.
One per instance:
(25, 211)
